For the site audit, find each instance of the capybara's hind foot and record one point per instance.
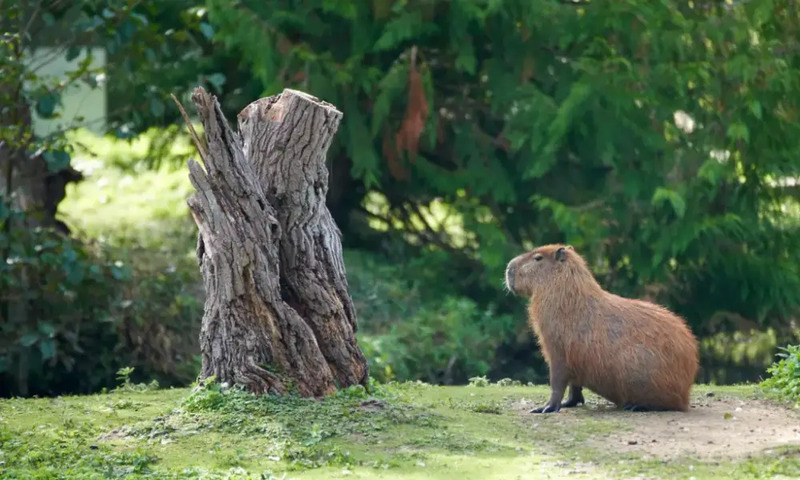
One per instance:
(575, 398)
(546, 409)
(631, 407)
(634, 408)
(572, 403)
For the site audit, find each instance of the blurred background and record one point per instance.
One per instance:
(660, 139)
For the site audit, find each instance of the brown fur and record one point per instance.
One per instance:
(631, 352)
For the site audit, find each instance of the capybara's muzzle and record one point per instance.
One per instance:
(510, 277)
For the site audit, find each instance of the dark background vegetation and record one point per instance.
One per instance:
(661, 139)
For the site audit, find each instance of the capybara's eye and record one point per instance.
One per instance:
(537, 257)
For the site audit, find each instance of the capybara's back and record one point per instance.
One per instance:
(634, 353)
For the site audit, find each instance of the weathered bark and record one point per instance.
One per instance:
(278, 314)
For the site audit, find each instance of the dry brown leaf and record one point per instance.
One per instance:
(396, 168)
(407, 138)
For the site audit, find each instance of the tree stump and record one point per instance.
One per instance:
(278, 315)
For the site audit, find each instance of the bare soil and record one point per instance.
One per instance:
(714, 427)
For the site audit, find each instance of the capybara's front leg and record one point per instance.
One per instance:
(558, 385)
(575, 397)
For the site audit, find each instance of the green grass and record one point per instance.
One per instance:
(409, 430)
(416, 431)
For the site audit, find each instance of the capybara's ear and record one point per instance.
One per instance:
(561, 254)
(569, 247)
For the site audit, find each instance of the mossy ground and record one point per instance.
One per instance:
(407, 430)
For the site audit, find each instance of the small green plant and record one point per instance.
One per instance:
(124, 377)
(480, 381)
(507, 382)
(207, 396)
(491, 407)
(785, 374)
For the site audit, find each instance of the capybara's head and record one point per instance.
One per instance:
(544, 266)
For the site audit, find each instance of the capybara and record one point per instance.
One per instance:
(634, 353)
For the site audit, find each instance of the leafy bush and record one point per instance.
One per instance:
(445, 343)
(785, 374)
(413, 327)
(74, 312)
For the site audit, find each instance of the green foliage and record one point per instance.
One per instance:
(657, 138)
(74, 313)
(59, 303)
(785, 374)
(440, 344)
(71, 454)
(411, 327)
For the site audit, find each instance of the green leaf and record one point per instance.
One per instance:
(72, 53)
(46, 328)
(46, 105)
(390, 88)
(567, 111)
(664, 194)
(217, 80)
(48, 19)
(141, 18)
(56, 160)
(75, 274)
(738, 131)
(119, 272)
(466, 58)
(156, 107)
(28, 339)
(69, 255)
(405, 27)
(360, 147)
(48, 349)
(207, 30)
(755, 108)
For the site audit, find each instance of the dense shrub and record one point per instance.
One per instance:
(445, 343)
(74, 312)
(413, 327)
(785, 374)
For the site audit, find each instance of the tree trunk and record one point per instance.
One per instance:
(278, 315)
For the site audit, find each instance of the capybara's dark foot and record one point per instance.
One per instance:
(631, 407)
(575, 398)
(546, 409)
(573, 402)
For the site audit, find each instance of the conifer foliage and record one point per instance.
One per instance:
(659, 138)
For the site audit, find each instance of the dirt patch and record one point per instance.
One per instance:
(713, 428)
